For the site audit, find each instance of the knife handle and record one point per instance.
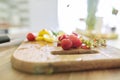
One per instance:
(4, 38)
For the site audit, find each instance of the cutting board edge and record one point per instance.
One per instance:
(53, 67)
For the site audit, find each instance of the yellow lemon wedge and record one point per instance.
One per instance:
(38, 38)
(48, 38)
(43, 31)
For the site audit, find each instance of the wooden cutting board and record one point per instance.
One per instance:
(36, 57)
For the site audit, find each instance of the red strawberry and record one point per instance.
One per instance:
(58, 43)
(85, 47)
(75, 41)
(64, 36)
(66, 44)
(30, 37)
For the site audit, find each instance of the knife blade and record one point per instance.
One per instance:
(12, 39)
(4, 38)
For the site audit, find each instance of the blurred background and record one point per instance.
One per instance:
(18, 16)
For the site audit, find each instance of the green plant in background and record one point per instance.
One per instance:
(91, 10)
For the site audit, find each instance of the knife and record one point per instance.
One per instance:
(4, 38)
(11, 39)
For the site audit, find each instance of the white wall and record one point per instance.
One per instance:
(70, 12)
(43, 14)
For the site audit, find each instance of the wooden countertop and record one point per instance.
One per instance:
(8, 73)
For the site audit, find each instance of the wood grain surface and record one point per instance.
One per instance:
(8, 73)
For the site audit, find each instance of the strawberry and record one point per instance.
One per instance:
(59, 44)
(66, 44)
(85, 47)
(64, 36)
(30, 37)
(76, 42)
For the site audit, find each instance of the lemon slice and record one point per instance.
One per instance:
(44, 31)
(38, 38)
(48, 38)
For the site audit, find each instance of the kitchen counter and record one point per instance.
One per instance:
(8, 73)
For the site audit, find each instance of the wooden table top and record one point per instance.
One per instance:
(8, 73)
